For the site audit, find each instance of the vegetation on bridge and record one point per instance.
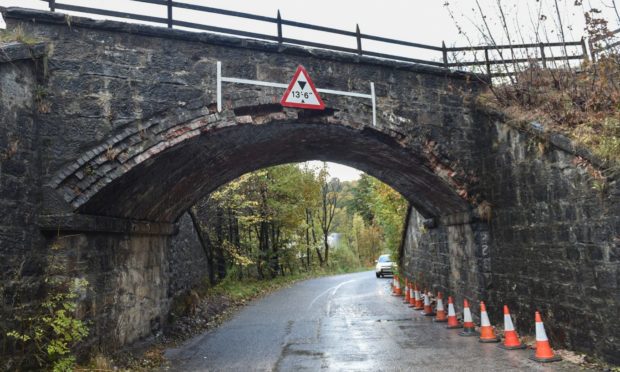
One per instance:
(579, 99)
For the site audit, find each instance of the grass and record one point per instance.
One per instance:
(583, 104)
(603, 137)
(17, 34)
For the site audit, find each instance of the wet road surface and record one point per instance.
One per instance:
(342, 323)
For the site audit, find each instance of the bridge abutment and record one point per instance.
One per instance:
(547, 240)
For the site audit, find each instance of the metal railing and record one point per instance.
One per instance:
(519, 54)
(278, 21)
(595, 50)
(492, 66)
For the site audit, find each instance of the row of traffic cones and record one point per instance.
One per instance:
(422, 301)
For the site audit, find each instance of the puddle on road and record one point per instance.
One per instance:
(396, 320)
(301, 352)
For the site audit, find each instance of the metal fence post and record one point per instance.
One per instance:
(592, 51)
(52, 4)
(584, 49)
(486, 60)
(358, 36)
(169, 5)
(444, 51)
(542, 55)
(279, 20)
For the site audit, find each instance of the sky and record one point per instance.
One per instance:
(420, 21)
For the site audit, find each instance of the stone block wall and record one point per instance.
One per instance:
(186, 258)
(21, 260)
(453, 259)
(127, 296)
(556, 234)
(552, 243)
(132, 277)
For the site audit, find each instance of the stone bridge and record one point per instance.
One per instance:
(111, 132)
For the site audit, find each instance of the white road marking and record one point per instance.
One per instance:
(335, 288)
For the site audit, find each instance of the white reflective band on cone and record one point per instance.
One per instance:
(410, 292)
(427, 300)
(484, 319)
(451, 311)
(508, 326)
(439, 304)
(467, 315)
(417, 295)
(541, 335)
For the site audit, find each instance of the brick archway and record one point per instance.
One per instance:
(156, 174)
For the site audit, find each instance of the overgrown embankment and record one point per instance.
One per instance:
(582, 103)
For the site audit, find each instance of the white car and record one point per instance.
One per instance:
(384, 266)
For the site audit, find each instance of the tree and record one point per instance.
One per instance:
(330, 191)
(278, 220)
(361, 198)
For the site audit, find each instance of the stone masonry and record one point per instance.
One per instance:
(555, 234)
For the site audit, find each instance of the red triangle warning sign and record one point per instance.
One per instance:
(301, 92)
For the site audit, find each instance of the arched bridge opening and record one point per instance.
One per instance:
(194, 158)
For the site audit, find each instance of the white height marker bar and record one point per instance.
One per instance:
(341, 93)
(374, 104)
(254, 82)
(219, 86)
(221, 79)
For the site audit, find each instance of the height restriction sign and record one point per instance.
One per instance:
(301, 92)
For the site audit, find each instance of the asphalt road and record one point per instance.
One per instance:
(342, 323)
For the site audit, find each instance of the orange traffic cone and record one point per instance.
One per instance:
(441, 313)
(393, 284)
(407, 284)
(419, 305)
(452, 321)
(487, 332)
(411, 295)
(469, 329)
(397, 290)
(428, 309)
(511, 338)
(544, 353)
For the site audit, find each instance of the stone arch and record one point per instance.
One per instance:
(157, 173)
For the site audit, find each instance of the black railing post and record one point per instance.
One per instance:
(542, 55)
(169, 5)
(358, 36)
(444, 51)
(584, 49)
(592, 51)
(279, 20)
(486, 60)
(52, 5)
